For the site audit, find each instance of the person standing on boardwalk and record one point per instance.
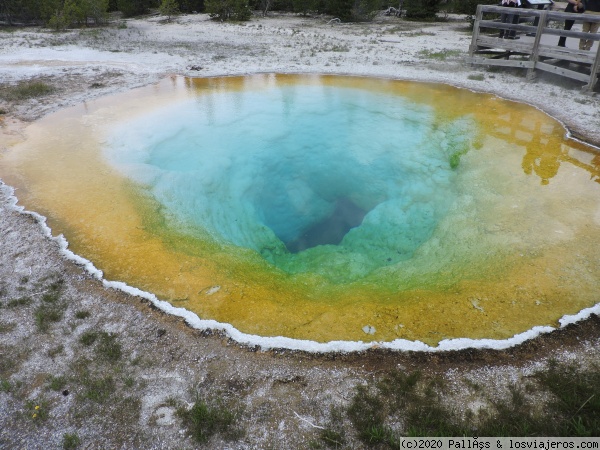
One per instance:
(509, 18)
(574, 6)
(591, 7)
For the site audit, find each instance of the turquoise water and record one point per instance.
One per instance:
(329, 180)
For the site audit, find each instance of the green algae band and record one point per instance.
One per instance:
(320, 207)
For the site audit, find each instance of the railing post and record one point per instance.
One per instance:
(478, 16)
(535, 51)
(594, 72)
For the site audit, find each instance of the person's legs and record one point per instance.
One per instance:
(593, 29)
(568, 25)
(584, 42)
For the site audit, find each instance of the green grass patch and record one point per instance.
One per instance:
(88, 338)
(333, 435)
(576, 398)
(476, 77)
(5, 385)
(57, 383)
(25, 90)
(108, 348)
(53, 291)
(51, 309)
(206, 419)
(332, 439)
(37, 410)
(16, 302)
(55, 351)
(441, 55)
(573, 409)
(11, 357)
(45, 315)
(98, 389)
(70, 441)
(7, 327)
(82, 314)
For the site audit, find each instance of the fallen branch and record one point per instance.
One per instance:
(307, 421)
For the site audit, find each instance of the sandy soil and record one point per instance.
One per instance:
(282, 395)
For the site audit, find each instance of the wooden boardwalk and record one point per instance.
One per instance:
(532, 43)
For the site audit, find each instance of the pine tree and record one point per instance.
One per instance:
(169, 8)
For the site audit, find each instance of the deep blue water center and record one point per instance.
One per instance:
(311, 177)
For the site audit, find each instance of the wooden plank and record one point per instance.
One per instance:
(501, 62)
(495, 54)
(505, 10)
(473, 46)
(562, 71)
(594, 73)
(496, 47)
(562, 16)
(573, 34)
(536, 45)
(552, 15)
(507, 44)
(507, 26)
(580, 56)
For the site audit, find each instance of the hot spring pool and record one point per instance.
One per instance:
(325, 208)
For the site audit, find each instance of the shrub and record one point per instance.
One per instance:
(365, 9)
(304, 6)
(188, 6)
(348, 10)
(26, 90)
(468, 7)
(228, 9)
(59, 21)
(79, 13)
(169, 8)
(131, 8)
(422, 9)
(206, 419)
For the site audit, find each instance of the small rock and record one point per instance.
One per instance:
(368, 329)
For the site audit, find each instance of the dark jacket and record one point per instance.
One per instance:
(592, 5)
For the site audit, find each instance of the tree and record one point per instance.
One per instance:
(169, 8)
(347, 10)
(27, 11)
(97, 11)
(365, 9)
(79, 13)
(305, 6)
(131, 8)
(189, 6)
(422, 9)
(228, 9)
(342, 9)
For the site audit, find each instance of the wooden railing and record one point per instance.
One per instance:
(534, 43)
